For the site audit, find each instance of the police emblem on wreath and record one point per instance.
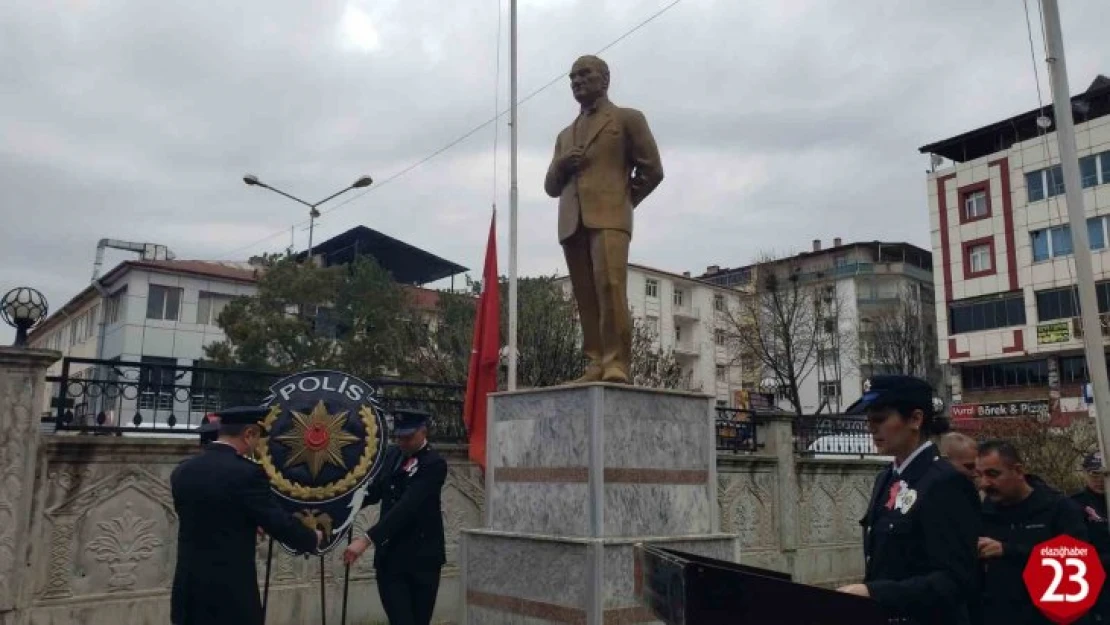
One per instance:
(322, 444)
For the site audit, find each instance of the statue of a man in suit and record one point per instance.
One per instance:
(605, 163)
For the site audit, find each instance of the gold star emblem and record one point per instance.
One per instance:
(316, 439)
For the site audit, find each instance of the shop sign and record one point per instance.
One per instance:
(1024, 408)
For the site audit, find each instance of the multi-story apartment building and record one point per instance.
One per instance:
(686, 314)
(1004, 264)
(854, 289)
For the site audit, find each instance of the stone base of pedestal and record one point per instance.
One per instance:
(522, 579)
(575, 476)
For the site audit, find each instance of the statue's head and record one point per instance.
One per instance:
(589, 79)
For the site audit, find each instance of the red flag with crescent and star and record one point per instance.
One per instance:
(481, 378)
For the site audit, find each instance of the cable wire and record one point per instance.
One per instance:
(460, 138)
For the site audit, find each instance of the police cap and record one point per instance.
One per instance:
(242, 415)
(903, 392)
(407, 421)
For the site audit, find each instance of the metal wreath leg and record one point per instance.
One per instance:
(323, 603)
(346, 584)
(266, 588)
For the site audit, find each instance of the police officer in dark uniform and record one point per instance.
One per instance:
(409, 546)
(1092, 502)
(221, 499)
(921, 528)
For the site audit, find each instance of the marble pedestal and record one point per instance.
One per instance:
(576, 475)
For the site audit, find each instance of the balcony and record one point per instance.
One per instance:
(687, 313)
(687, 349)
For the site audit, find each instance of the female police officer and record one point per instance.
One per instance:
(921, 529)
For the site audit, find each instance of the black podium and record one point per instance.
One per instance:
(686, 589)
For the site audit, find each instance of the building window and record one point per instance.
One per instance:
(90, 321)
(115, 308)
(976, 202)
(720, 337)
(1104, 167)
(652, 326)
(651, 287)
(1064, 303)
(978, 258)
(1073, 370)
(163, 302)
(829, 324)
(678, 334)
(679, 298)
(722, 373)
(1001, 312)
(209, 307)
(829, 389)
(829, 357)
(1053, 242)
(1004, 375)
(1088, 171)
(719, 302)
(1044, 183)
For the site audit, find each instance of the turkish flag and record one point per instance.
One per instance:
(481, 378)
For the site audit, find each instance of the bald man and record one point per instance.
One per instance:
(961, 450)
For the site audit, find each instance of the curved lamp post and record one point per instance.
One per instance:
(23, 308)
(363, 181)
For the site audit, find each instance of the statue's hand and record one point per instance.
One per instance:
(572, 161)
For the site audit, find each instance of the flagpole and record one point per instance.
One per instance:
(512, 351)
(1077, 217)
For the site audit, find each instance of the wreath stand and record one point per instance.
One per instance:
(323, 589)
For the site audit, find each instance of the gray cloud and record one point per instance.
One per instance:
(778, 122)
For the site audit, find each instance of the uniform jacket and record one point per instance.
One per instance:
(409, 531)
(221, 500)
(621, 167)
(1045, 514)
(1093, 507)
(921, 562)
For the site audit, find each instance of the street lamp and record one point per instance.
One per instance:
(23, 308)
(363, 181)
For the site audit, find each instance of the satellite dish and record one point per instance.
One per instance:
(1044, 122)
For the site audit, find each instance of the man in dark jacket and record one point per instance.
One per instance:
(408, 537)
(1019, 512)
(221, 499)
(1092, 502)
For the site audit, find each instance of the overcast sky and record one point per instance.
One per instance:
(778, 122)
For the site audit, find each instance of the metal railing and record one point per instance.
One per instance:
(116, 397)
(832, 435)
(738, 430)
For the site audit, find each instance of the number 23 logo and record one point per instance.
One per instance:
(1052, 595)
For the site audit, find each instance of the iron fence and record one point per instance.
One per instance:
(116, 397)
(737, 430)
(833, 435)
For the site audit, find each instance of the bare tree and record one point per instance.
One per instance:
(653, 366)
(790, 327)
(901, 338)
(1052, 452)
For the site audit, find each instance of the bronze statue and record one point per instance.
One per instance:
(605, 163)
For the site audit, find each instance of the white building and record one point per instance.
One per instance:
(163, 313)
(1004, 259)
(681, 311)
(160, 312)
(854, 284)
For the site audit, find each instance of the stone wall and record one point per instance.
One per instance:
(88, 531)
